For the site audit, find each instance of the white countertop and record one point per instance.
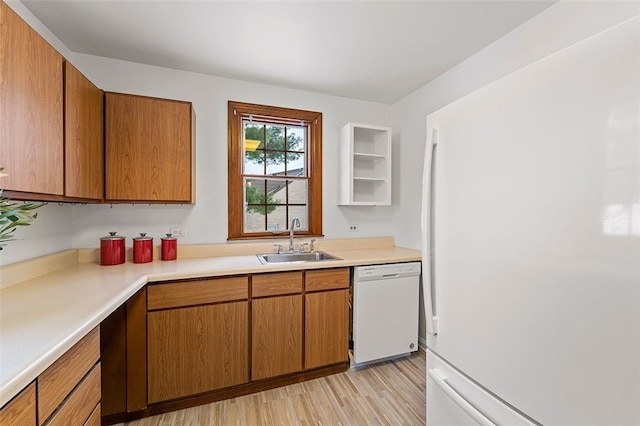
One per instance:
(41, 318)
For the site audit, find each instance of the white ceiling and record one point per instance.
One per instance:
(370, 50)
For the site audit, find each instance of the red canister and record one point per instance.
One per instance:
(169, 248)
(142, 249)
(112, 249)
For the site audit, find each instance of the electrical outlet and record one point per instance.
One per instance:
(178, 232)
(353, 228)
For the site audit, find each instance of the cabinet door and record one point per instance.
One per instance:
(21, 410)
(277, 336)
(198, 349)
(326, 328)
(31, 129)
(84, 136)
(149, 149)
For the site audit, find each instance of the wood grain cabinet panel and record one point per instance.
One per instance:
(276, 283)
(21, 410)
(149, 149)
(198, 292)
(57, 381)
(198, 349)
(276, 336)
(113, 361)
(80, 405)
(123, 346)
(94, 418)
(31, 117)
(326, 279)
(84, 136)
(326, 328)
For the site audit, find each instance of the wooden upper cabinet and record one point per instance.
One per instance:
(31, 113)
(149, 150)
(84, 136)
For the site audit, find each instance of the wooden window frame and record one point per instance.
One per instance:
(235, 155)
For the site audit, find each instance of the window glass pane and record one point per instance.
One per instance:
(301, 213)
(296, 164)
(254, 222)
(277, 219)
(254, 162)
(275, 137)
(253, 148)
(297, 190)
(296, 136)
(275, 163)
(276, 191)
(254, 190)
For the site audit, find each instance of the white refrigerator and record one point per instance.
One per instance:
(531, 243)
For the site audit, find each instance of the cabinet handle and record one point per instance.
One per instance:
(459, 399)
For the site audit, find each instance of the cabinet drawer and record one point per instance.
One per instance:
(327, 279)
(94, 418)
(55, 383)
(21, 410)
(201, 292)
(277, 283)
(78, 408)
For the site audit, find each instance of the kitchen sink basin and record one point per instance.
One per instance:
(294, 257)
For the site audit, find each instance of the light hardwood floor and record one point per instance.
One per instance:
(388, 393)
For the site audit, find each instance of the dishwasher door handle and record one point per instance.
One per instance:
(388, 276)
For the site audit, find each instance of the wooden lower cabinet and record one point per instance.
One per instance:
(326, 328)
(94, 418)
(68, 392)
(78, 408)
(195, 341)
(21, 410)
(197, 349)
(123, 349)
(276, 324)
(57, 381)
(276, 330)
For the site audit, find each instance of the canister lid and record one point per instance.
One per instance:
(112, 236)
(143, 236)
(168, 237)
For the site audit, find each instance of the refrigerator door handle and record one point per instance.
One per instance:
(468, 408)
(427, 191)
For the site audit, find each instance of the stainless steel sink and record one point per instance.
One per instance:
(294, 257)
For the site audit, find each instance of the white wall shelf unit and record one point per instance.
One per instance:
(365, 165)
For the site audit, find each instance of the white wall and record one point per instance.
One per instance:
(558, 27)
(206, 221)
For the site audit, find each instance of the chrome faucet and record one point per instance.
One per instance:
(294, 222)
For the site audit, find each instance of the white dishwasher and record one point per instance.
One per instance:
(385, 311)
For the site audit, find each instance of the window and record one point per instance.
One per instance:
(275, 171)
